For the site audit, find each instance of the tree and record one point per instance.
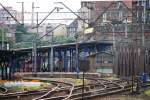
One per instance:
(6, 39)
(20, 32)
(24, 39)
(63, 39)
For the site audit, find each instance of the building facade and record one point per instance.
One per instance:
(72, 28)
(121, 22)
(101, 15)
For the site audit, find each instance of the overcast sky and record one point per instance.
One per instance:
(46, 6)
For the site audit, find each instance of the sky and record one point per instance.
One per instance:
(47, 6)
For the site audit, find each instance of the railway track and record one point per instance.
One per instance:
(100, 88)
(110, 87)
(62, 91)
(23, 95)
(67, 91)
(3, 90)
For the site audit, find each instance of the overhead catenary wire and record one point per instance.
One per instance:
(10, 14)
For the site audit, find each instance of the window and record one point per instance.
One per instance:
(143, 2)
(104, 17)
(120, 14)
(84, 4)
(137, 14)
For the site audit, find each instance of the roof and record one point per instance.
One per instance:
(64, 45)
(94, 54)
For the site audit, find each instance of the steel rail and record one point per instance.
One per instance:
(100, 87)
(24, 93)
(99, 92)
(71, 90)
(53, 89)
(3, 90)
(56, 90)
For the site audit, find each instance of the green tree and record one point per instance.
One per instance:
(10, 40)
(63, 39)
(20, 32)
(24, 39)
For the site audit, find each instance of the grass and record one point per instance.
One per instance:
(78, 82)
(147, 92)
(25, 88)
(29, 88)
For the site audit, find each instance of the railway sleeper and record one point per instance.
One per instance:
(55, 98)
(79, 90)
(3, 90)
(99, 91)
(89, 97)
(14, 95)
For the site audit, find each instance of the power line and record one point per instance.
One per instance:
(10, 14)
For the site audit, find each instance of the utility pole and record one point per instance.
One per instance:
(22, 6)
(77, 55)
(34, 52)
(35, 46)
(32, 19)
(142, 22)
(38, 24)
(23, 13)
(126, 29)
(114, 41)
(114, 47)
(51, 59)
(2, 29)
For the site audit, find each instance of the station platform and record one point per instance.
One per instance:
(59, 74)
